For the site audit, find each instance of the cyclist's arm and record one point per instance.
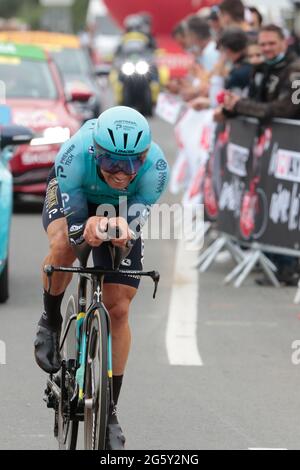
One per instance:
(150, 188)
(69, 166)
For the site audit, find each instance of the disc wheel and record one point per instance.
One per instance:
(96, 384)
(4, 292)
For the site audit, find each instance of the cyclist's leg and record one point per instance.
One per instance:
(60, 251)
(60, 254)
(117, 299)
(47, 352)
(118, 292)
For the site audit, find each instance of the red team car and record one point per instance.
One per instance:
(31, 86)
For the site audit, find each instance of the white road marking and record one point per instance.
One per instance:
(181, 335)
(230, 323)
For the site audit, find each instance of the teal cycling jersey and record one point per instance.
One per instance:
(80, 182)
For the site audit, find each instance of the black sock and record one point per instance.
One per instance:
(117, 384)
(52, 317)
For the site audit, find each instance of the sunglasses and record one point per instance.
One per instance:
(112, 164)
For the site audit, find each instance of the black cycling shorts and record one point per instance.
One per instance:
(53, 210)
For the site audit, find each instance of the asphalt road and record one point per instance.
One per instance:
(245, 395)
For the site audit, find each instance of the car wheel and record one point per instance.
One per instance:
(4, 294)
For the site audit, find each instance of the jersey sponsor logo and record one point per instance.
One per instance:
(65, 200)
(77, 240)
(161, 182)
(91, 150)
(126, 262)
(76, 228)
(53, 182)
(51, 196)
(60, 172)
(68, 156)
(161, 165)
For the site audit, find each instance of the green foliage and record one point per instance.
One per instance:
(31, 14)
(79, 14)
(8, 8)
(30, 11)
(15, 8)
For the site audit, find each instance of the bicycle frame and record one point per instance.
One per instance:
(82, 322)
(95, 276)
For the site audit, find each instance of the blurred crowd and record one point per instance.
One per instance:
(242, 66)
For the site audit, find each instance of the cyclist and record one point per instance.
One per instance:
(142, 24)
(109, 157)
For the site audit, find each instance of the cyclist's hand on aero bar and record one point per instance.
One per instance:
(95, 232)
(125, 234)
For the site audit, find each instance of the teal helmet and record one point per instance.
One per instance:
(122, 131)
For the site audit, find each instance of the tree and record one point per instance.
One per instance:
(15, 8)
(8, 8)
(31, 12)
(79, 12)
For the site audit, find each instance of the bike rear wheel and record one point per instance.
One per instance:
(96, 383)
(67, 428)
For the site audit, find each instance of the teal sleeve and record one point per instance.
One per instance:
(70, 169)
(150, 188)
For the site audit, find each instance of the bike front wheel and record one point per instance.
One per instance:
(96, 383)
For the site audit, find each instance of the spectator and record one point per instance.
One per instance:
(271, 88)
(270, 96)
(214, 21)
(254, 52)
(202, 45)
(206, 56)
(233, 44)
(179, 33)
(232, 13)
(255, 18)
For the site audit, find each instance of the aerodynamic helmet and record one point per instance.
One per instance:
(122, 131)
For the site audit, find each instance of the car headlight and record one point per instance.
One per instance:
(52, 135)
(142, 67)
(128, 68)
